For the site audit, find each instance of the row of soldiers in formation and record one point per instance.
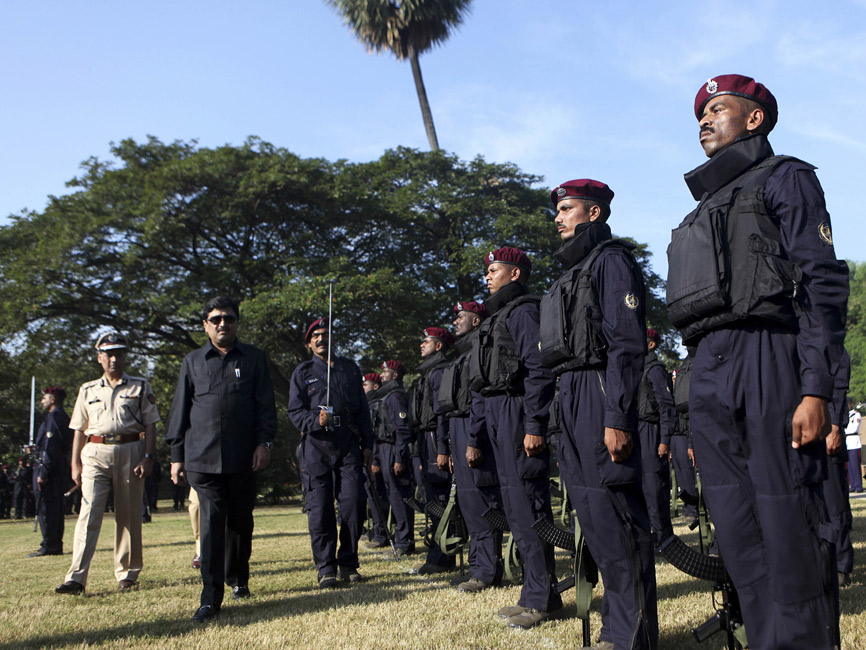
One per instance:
(754, 286)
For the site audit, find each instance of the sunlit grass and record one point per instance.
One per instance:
(391, 609)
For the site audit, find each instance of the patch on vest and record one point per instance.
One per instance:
(825, 233)
(630, 301)
(151, 399)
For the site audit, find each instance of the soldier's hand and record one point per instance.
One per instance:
(368, 457)
(692, 456)
(144, 468)
(474, 457)
(40, 481)
(663, 450)
(76, 474)
(323, 418)
(375, 468)
(834, 441)
(811, 421)
(261, 458)
(442, 461)
(533, 445)
(178, 476)
(398, 469)
(618, 443)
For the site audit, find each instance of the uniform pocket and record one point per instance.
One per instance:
(537, 466)
(611, 473)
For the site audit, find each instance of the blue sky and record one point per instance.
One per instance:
(563, 89)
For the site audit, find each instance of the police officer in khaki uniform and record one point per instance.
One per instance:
(108, 451)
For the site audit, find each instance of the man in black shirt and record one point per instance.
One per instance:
(220, 428)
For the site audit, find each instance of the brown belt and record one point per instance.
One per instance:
(115, 439)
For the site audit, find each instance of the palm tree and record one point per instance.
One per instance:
(406, 28)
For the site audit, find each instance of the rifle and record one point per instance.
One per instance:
(374, 494)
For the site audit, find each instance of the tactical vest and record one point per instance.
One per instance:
(455, 395)
(423, 413)
(495, 366)
(383, 426)
(681, 386)
(647, 405)
(571, 317)
(726, 263)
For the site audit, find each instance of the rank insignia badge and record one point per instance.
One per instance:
(631, 301)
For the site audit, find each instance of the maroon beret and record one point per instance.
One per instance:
(653, 335)
(739, 86)
(56, 391)
(393, 364)
(318, 324)
(375, 377)
(582, 188)
(442, 334)
(474, 307)
(509, 255)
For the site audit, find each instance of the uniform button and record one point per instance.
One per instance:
(720, 357)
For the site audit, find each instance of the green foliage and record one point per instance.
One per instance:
(855, 335)
(401, 27)
(144, 241)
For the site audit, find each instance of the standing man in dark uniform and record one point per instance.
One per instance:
(333, 446)
(657, 421)
(376, 535)
(222, 421)
(511, 408)
(431, 428)
(392, 459)
(593, 335)
(23, 489)
(477, 484)
(52, 446)
(754, 282)
(682, 451)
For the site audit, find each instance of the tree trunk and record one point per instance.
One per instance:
(422, 99)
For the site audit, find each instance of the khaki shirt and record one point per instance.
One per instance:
(101, 410)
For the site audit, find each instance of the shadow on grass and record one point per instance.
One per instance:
(287, 604)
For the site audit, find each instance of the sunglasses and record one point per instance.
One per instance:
(228, 318)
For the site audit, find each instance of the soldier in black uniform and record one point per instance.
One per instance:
(511, 408)
(431, 429)
(593, 335)
(754, 282)
(333, 446)
(52, 474)
(682, 451)
(23, 489)
(657, 421)
(375, 535)
(5, 492)
(477, 483)
(392, 458)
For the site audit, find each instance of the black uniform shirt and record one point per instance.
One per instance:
(52, 443)
(223, 408)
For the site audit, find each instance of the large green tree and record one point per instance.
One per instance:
(142, 241)
(406, 28)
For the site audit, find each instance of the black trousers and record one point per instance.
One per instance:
(226, 512)
(50, 515)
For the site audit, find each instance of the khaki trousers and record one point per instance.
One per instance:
(104, 466)
(194, 519)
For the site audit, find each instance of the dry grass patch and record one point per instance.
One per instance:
(391, 609)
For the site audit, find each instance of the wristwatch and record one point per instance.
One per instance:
(266, 445)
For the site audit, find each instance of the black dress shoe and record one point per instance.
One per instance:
(38, 553)
(205, 612)
(70, 587)
(239, 592)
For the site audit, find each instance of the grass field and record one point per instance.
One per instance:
(391, 609)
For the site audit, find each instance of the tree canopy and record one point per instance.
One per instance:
(143, 241)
